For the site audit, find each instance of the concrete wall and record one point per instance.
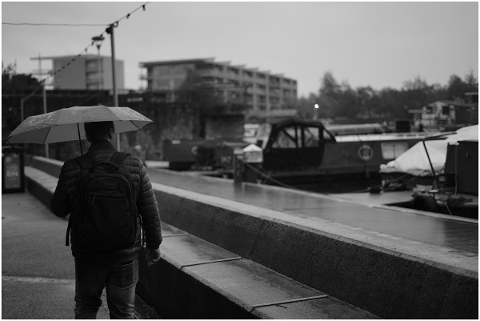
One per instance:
(387, 283)
(387, 277)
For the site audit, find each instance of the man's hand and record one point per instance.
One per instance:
(152, 256)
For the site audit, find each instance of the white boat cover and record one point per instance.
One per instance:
(415, 161)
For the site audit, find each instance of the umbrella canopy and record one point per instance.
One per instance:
(63, 125)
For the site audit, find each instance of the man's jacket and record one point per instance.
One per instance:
(62, 200)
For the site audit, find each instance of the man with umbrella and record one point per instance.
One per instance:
(116, 269)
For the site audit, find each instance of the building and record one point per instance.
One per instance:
(234, 84)
(447, 113)
(91, 72)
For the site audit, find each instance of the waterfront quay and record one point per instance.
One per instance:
(252, 251)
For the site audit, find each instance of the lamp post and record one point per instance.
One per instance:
(43, 83)
(114, 83)
(315, 115)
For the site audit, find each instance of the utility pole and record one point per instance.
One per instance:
(40, 73)
(44, 98)
(114, 81)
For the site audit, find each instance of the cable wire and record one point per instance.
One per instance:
(114, 24)
(54, 24)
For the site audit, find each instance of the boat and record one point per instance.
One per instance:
(297, 152)
(441, 171)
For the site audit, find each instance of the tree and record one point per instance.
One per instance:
(14, 88)
(13, 83)
(306, 109)
(416, 84)
(471, 81)
(457, 88)
(329, 93)
(365, 100)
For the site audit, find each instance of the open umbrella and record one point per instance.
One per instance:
(64, 125)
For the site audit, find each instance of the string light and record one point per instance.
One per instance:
(108, 31)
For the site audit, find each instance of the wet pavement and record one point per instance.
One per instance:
(442, 230)
(38, 276)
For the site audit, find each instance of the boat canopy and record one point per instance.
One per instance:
(415, 160)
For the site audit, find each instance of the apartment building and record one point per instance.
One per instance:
(91, 72)
(258, 90)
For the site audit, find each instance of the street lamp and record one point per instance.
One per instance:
(315, 115)
(109, 30)
(98, 40)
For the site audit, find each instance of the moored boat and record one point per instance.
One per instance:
(441, 171)
(297, 151)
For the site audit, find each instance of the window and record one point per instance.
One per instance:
(311, 136)
(92, 64)
(393, 150)
(288, 137)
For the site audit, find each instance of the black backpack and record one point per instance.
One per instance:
(105, 212)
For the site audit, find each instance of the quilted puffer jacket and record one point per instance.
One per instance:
(62, 200)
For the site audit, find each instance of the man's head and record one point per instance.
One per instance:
(99, 130)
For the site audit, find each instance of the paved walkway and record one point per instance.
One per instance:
(37, 268)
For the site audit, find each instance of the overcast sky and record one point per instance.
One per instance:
(381, 44)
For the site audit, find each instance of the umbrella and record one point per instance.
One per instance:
(63, 125)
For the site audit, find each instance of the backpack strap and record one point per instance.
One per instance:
(119, 157)
(84, 161)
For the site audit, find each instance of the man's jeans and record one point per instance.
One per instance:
(120, 281)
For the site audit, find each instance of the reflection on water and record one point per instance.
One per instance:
(339, 187)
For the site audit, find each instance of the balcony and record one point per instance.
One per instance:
(225, 110)
(144, 77)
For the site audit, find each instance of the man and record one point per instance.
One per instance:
(116, 270)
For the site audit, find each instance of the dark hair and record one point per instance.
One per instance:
(97, 130)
